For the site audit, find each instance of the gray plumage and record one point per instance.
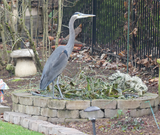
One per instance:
(59, 58)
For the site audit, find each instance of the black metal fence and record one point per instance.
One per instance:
(109, 30)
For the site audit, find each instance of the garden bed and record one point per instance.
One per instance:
(54, 110)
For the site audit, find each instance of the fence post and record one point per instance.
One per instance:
(94, 25)
(158, 61)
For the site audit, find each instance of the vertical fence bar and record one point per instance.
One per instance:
(158, 31)
(94, 26)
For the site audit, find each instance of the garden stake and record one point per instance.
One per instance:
(152, 113)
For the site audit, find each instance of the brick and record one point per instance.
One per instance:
(145, 104)
(77, 104)
(16, 117)
(25, 122)
(15, 107)
(15, 98)
(44, 128)
(68, 114)
(56, 120)
(33, 110)
(109, 113)
(104, 103)
(83, 114)
(139, 112)
(40, 101)
(25, 100)
(56, 104)
(128, 104)
(21, 108)
(48, 112)
(142, 112)
(76, 120)
(4, 108)
(34, 124)
(6, 116)
(40, 118)
(156, 101)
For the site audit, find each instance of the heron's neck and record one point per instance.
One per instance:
(71, 40)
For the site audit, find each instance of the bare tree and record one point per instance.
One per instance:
(60, 16)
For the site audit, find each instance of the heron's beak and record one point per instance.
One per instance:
(85, 15)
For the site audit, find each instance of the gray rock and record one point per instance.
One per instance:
(22, 53)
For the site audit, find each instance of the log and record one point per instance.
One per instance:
(77, 31)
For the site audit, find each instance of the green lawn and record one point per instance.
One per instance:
(11, 129)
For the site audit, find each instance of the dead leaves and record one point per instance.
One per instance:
(153, 80)
(147, 62)
(122, 53)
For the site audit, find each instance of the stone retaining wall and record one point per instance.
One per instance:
(54, 110)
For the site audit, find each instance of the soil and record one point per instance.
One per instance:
(103, 127)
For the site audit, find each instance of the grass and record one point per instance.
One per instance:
(11, 129)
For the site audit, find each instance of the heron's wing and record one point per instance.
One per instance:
(53, 67)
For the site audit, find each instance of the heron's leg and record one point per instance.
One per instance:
(59, 87)
(53, 88)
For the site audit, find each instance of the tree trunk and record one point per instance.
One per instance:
(60, 16)
(44, 31)
(31, 19)
(5, 54)
(46, 25)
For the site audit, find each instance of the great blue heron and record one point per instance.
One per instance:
(59, 58)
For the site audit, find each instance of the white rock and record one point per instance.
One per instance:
(25, 67)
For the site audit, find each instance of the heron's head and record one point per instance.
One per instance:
(79, 15)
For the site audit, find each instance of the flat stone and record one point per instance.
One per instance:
(77, 104)
(104, 103)
(48, 112)
(56, 104)
(4, 108)
(15, 107)
(56, 120)
(128, 104)
(22, 53)
(40, 101)
(25, 100)
(83, 114)
(22, 94)
(21, 108)
(68, 114)
(33, 110)
(54, 129)
(76, 120)
(40, 118)
(69, 131)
